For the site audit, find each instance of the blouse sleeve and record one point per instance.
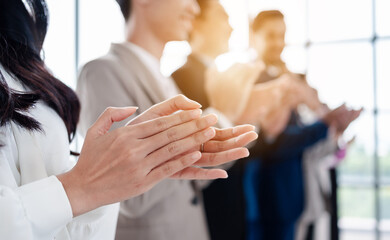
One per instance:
(37, 210)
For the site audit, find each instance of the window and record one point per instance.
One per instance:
(344, 47)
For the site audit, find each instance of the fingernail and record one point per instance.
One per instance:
(209, 132)
(234, 131)
(195, 113)
(247, 153)
(196, 155)
(225, 175)
(195, 102)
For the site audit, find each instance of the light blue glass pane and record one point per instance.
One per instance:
(358, 166)
(357, 235)
(101, 23)
(385, 235)
(339, 19)
(384, 225)
(383, 17)
(385, 203)
(384, 147)
(356, 208)
(295, 58)
(383, 74)
(342, 73)
(59, 46)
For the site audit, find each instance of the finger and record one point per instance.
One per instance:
(219, 146)
(171, 167)
(181, 131)
(108, 117)
(224, 134)
(200, 174)
(181, 146)
(179, 102)
(160, 124)
(215, 159)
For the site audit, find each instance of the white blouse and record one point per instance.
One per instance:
(33, 202)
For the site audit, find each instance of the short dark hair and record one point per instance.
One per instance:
(203, 6)
(125, 6)
(262, 17)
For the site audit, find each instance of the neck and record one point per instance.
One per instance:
(203, 50)
(206, 54)
(273, 62)
(141, 35)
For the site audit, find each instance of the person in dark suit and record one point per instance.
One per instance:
(224, 200)
(191, 76)
(274, 186)
(209, 38)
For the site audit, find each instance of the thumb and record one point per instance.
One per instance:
(108, 117)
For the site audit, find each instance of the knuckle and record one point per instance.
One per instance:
(136, 154)
(212, 157)
(161, 123)
(109, 110)
(90, 130)
(200, 123)
(131, 154)
(231, 132)
(172, 135)
(198, 138)
(183, 116)
(220, 146)
(119, 138)
(167, 169)
(173, 148)
(181, 97)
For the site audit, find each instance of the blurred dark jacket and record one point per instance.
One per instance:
(279, 179)
(223, 199)
(190, 78)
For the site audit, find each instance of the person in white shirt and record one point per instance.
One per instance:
(42, 195)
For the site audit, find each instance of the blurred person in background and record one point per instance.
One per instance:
(199, 79)
(130, 75)
(209, 38)
(274, 185)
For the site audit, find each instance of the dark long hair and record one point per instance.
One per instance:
(22, 32)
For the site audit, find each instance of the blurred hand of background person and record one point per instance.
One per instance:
(229, 91)
(271, 103)
(340, 118)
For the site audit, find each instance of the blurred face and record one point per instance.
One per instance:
(214, 28)
(171, 20)
(269, 40)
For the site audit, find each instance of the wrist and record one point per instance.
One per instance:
(78, 197)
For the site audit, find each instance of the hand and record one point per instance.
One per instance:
(300, 92)
(265, 98)
(229, 91)
(226, 146)
(123, 163)
(340, 118)
(165, 108)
